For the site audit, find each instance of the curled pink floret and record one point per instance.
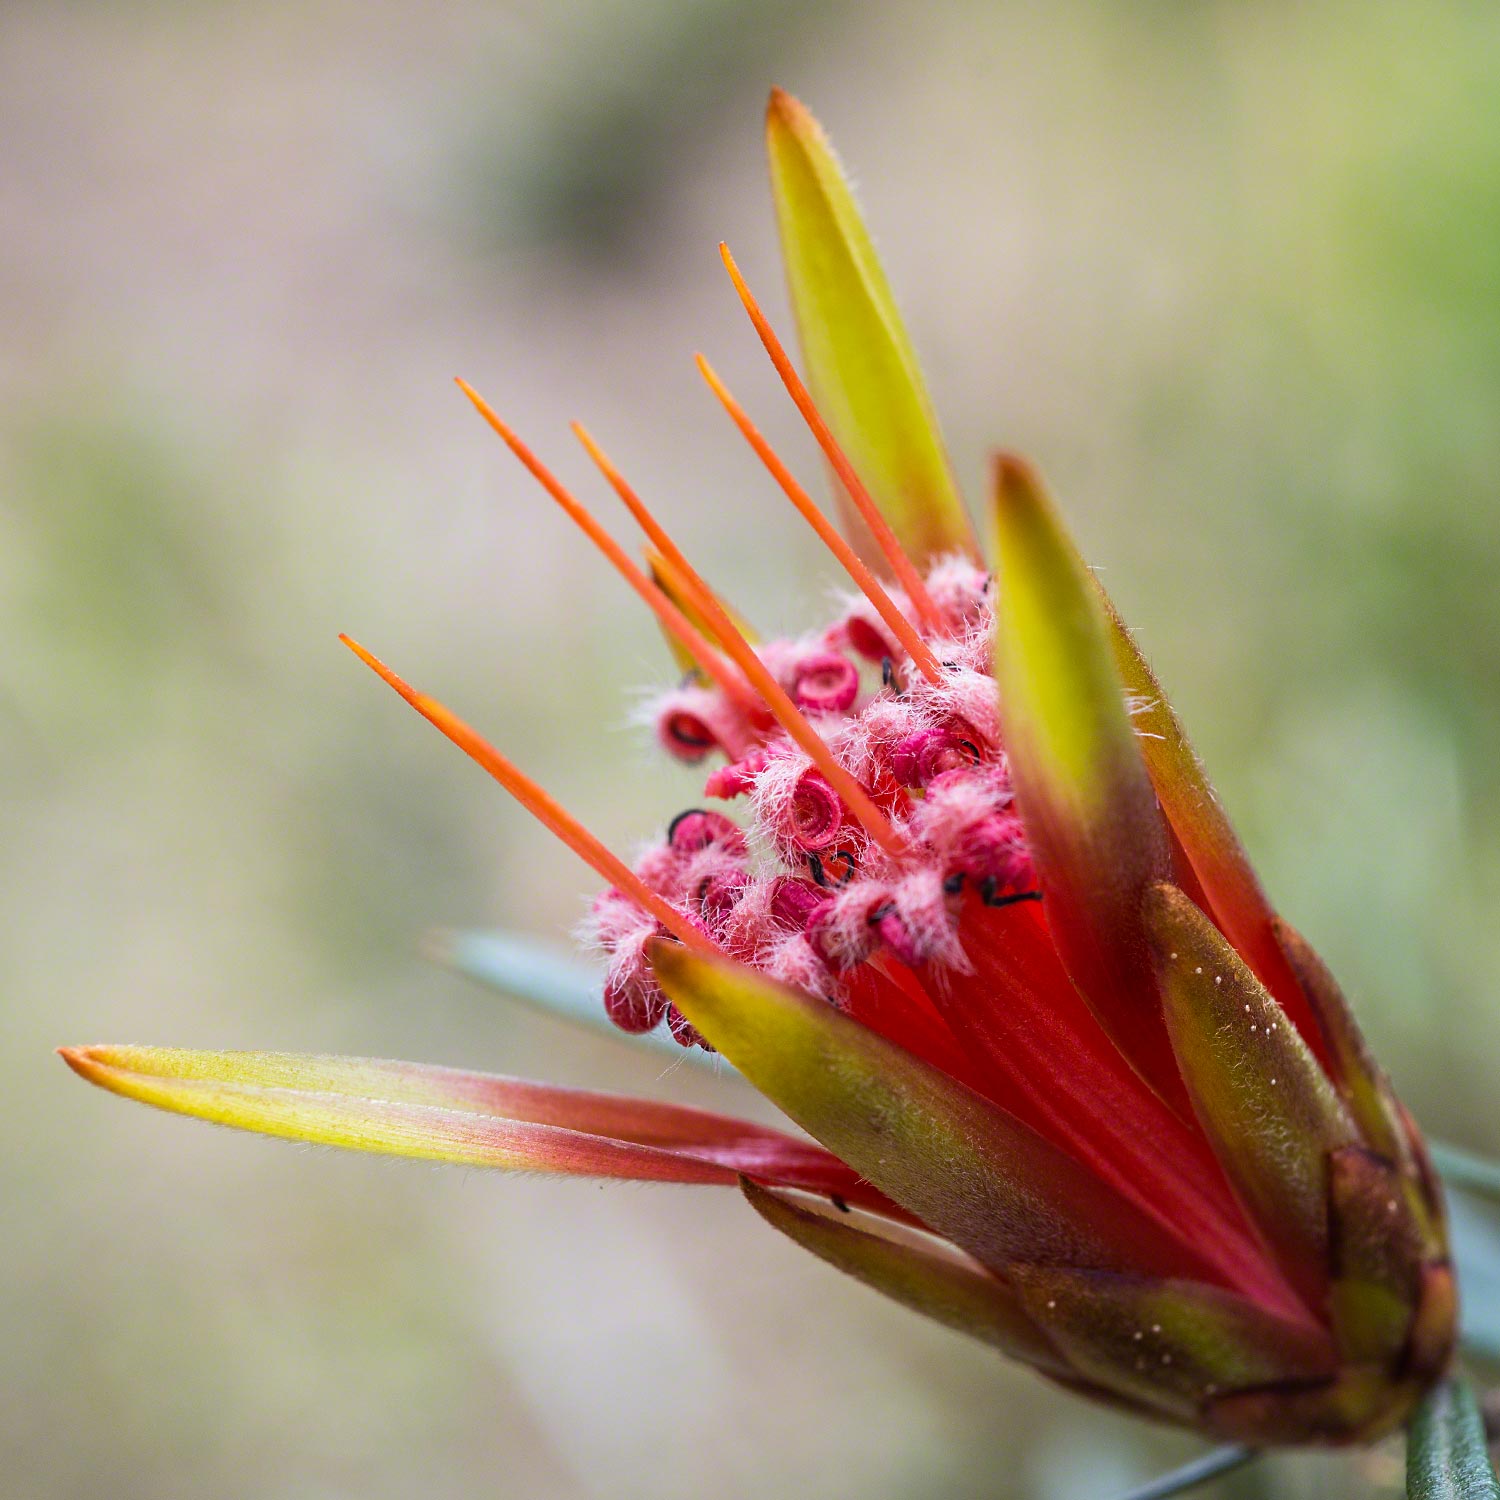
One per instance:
(696, 829)
(921, 757)
(826, 683)
(814, 817)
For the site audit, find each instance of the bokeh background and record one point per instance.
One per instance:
(1228, 271)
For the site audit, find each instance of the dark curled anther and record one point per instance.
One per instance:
(989, 579)
(880, 913)
(954, 883)
(989, 886)
(692, 741)
(819, 871)
(687, 812)
(838, 1203)
(888, 675)
(973, 750)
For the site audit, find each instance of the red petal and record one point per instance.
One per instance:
(1048, 1060)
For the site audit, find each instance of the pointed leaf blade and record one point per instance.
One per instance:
(969, 1170)
(922, 1277)
(1360, 1078)
(1256, 1088)
(860, 367)
(443, 1114)
(1202, 831)
(1089, 809)
(1446, 1454)
(1198, 819)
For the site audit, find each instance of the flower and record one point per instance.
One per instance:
(984, 933)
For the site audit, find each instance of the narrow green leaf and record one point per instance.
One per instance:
(1446, 1454)
(552, 982)
(1475, 1237)
(861, 369)
(1465, 1169)
(1212, 1465)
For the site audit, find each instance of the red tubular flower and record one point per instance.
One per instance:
(985, 934)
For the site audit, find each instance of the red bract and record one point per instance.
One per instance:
(983, 932)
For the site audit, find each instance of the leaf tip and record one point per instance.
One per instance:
(1016, 479)
(79, 1060)
(1166, 908)
(787, 115)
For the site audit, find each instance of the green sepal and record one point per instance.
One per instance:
(861, 368)
(1171, 1345)
(1375, 1251)
(1362, 1403)
(1434, 1325)
(1262, 1099)
(918, 1274)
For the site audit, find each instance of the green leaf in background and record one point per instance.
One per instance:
(1446, 1455)
(1475, 1240)
(549, 980)
(1466, 1169)
(1199, 1471)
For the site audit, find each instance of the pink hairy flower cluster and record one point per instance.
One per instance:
(800, 891)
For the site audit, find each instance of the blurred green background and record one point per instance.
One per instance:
(1228, 271)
